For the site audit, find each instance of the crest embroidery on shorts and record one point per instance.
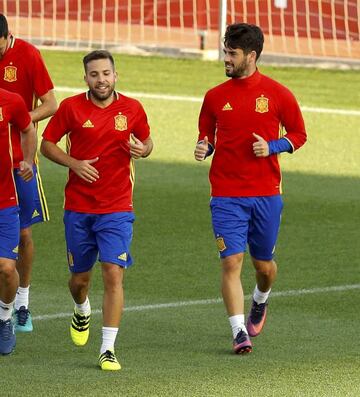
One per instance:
(10, 74)
(120, 122)
(262, 104)
(220, 244)
(70, 259)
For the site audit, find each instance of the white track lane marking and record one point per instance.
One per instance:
(345, 112)
(296, 292)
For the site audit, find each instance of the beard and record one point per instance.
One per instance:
(241, 70)
(102, 96)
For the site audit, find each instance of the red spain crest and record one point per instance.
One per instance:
(262, 104)
(10, 73)
(120, 122)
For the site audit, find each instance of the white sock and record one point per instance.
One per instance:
(22, 297)
(83, 308)
(108, 338)
(259, 296)
(6, 310)
(237, 323)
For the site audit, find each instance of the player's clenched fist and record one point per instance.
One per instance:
(137, 148)
(260, 146)
(26, 171)
(201, 149)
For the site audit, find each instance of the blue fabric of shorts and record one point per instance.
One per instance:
(31, 200)
(9, 232)
(104, 236)
(241, 221)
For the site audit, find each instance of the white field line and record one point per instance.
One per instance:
(345, 112)
(296, 292)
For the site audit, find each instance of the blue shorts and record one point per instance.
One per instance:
(89, 236)
(32, 202)
(9, 232)
(238, 221)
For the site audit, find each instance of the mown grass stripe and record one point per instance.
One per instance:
(296, 292)
(345, 112)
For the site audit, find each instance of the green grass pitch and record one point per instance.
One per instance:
(310, 345)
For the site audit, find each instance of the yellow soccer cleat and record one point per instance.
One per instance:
(108, 361)
(79, 329)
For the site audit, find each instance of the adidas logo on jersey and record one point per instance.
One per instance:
(227, 106)
(88, 124)
(123, 257)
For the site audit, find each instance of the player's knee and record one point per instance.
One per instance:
(232, 264)
(113, 276)
(79, 282)
(7, 271)
(113, 283)
(25, 237)
(265, 268)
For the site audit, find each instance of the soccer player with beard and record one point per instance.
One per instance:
(105, 131)
(247, 122)
(22, 70)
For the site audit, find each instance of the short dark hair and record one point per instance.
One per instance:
(98, 54)
(244, 36)
(4, 28)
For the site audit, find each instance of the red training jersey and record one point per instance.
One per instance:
(230, 114)
(105, 133)
(12, 111)
(22, 70)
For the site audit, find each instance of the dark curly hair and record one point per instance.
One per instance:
(244, 36)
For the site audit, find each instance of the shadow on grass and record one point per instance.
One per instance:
(175, 256)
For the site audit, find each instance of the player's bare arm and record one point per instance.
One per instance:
(201, 149)
(47, 108)
(140, 149)
(82, 168)
(28, 146)
(260, 146)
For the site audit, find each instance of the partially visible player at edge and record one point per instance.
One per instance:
(247, 122)
(105, 131)
(12, 111)
(22, 70)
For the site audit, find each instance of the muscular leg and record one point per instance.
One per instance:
(26, 255)
(113, 301)
(9, 280)
(265, 276)
(79, 286)
(266, 272)
(231, 287)
(233, 297)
